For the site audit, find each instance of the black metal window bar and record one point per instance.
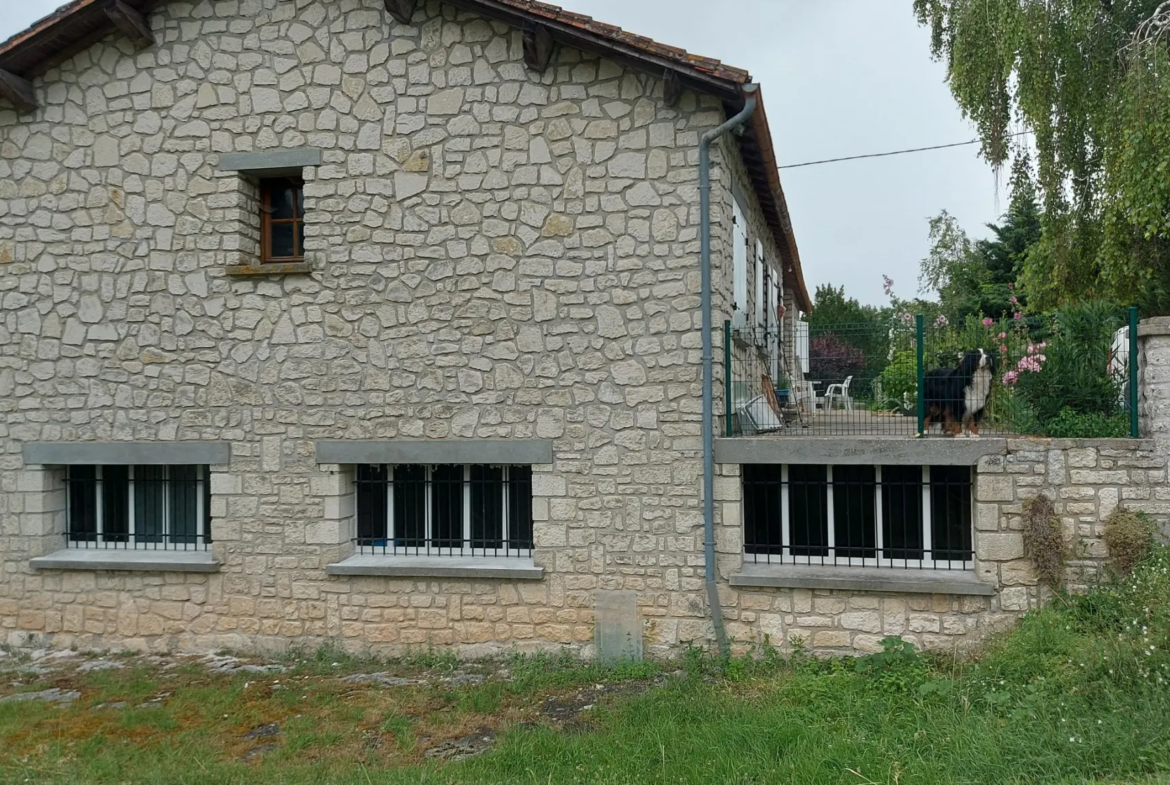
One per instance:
(907, 517)
(138, 507)
(444, 510)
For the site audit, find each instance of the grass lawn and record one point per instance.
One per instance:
(1080, 693)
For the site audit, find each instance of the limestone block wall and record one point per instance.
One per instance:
(1086, 479)
(494, 253)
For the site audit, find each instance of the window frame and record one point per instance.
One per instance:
(297, 221)
(764, 552)
(131, 538)
(431, 532)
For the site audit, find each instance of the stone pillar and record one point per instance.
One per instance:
(1154, 380)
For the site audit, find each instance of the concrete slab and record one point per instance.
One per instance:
(126, 560)
(871, 579)
(455, 567)
(871, 451)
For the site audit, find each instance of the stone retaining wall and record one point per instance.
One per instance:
(1086, 481)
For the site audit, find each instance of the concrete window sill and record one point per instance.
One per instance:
(439, 567)
(292, 268)
(125, 560)
(873, 579)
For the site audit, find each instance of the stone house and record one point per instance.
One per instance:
(378, 323)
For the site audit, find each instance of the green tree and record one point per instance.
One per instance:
(1091, 80)
(972, 278)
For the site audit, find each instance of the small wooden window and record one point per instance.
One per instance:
(282, 221)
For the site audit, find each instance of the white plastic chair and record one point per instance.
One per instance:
(841, 391)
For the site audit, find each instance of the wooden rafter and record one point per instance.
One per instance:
(671, 87)
(130, 23)
(538, 47)
(401, 10)
(18, 91)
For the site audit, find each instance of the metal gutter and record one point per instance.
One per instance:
(708, 359)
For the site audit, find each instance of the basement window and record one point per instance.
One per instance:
(138, 507)
(912, 517)
(444, 510)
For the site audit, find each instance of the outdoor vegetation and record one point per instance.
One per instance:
(1078, 693)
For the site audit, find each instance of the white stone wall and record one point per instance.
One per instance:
(495, 253)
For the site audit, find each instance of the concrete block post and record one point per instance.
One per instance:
(1154, 381)
(41, 512)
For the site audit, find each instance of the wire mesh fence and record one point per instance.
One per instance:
(1064, 375)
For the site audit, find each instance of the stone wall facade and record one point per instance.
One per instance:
(1086, 480)
(494, 253)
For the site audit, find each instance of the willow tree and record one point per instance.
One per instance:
(1089, 81)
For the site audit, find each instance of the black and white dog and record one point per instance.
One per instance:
(958, 396)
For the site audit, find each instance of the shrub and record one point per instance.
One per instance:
(1073, 425)
(1073, 371)
(900, 380)
(1044, 540)
(831, 360)
(1128, 538)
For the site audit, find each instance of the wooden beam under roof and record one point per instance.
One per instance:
(538, 46)
(401, 10)
(130, 23)
(18, 91)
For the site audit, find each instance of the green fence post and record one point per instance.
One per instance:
(919, 332)
(727, 374)
(1134, 421)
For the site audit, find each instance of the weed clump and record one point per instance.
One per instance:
(1128, 538)
(1044, 540)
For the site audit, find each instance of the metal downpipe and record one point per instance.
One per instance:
(708, 360)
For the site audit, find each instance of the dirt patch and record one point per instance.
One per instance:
(463, 747)
(566, 710)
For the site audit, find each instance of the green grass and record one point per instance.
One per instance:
(1079, 693)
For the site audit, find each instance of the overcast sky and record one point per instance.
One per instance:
(840, 77)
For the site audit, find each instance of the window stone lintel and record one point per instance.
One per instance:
(126, 560)
(127, 453)
(271, 163)
(533, 452)
(867, 579)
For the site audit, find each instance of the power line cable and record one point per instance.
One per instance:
(893, 152)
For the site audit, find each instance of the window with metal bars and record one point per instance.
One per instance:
(914, 517)
(142, 507)
(444, 510)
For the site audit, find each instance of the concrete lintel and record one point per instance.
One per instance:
(126, 560)
(870, 579)
(888, 451)
(455, 568)
(271, 162)
(436, 451)
(1157, 325)
(127, 453)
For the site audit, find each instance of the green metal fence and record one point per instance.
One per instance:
(1072, 374)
